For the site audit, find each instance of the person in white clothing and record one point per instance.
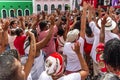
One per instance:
(73, 64)
(110, 29)
(11, 68)
(38, 64)
(55, 65)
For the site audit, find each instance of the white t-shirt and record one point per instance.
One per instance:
(72, 76)
(96, 32)
(38, 65)
(73, 63)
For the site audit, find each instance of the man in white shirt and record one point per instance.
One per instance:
(110, 29)
(54, 67)
(73, 64)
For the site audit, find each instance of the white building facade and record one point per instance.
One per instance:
(49, 5)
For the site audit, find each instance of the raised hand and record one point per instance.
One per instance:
(38, 17)
(21, 18)
(68, 16)
(104, 20)
(76, 47)
(85, 5)
(58, 11)
(111, 9)
(43, 14)
(52, 20)
(5, 25)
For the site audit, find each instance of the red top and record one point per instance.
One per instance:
(19, 44)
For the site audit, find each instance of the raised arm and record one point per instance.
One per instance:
(35, 22)
(5, 25)
(102, 30)
(31, 56)
(75, 20)
(22, 22)
(83, 20)
(4, 35)
(43, 42)
(84, 68)
(99, 11)
(59, 17)
(67, 26)
(90, 13)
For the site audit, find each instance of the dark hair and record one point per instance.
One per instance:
(42, 25)
(96, 14)
(35, 34)
(111, 54)
(12, 32)
(12, 52)
(117, 11)
(88, 29)
(26, 24)
(12, 22)
(27, 42)
(60, 31)
(18, 31)
(78, 18)
(63, 18)
(118, 25)
(77, 25)
(7, 67)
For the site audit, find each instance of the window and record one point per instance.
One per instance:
(19, 12)
(12, 13)
(4, 13)
(27, 12)
(60, 7)
(45, 8)
(38, 7)
(66, 6)
(52, 8)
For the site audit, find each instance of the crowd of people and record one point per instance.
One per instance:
(71, 45)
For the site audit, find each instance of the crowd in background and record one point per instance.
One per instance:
(71, 45)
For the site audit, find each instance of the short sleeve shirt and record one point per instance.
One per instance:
(50, 47)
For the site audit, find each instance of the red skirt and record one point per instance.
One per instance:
(87, 48)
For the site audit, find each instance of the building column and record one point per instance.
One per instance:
(34, 7)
